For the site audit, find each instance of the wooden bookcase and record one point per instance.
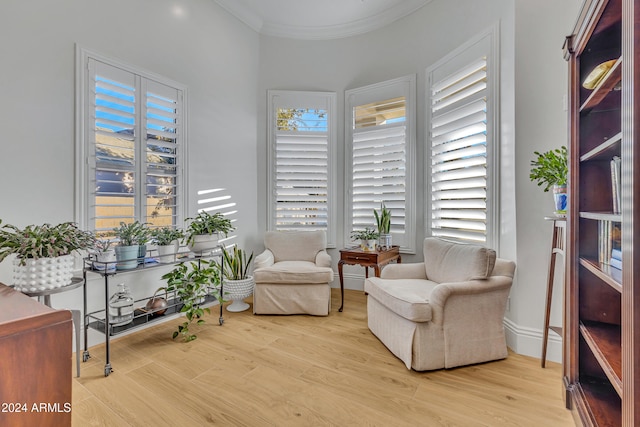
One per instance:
(602, 314)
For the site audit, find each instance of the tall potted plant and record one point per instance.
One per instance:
(44, 253)
(238, 284)
(204, 230)
(550, 169)
(192, 282)
(383, 222)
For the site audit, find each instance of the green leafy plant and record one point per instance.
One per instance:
(366, 234)
(205, 223)
(383, 219)
(166, 235)
(191, 282)
(130, 234)
(236, 263)
(550, 168)
(102, 245)
(43, 241)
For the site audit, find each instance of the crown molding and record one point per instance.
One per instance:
(321, 32)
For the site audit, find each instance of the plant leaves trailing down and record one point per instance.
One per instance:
(191, 281)
(550, 168)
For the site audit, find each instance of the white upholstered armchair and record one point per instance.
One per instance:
(293, 274)
(444, 312)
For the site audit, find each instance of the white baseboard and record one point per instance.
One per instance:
(528, 341)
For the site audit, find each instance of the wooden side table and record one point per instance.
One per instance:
(376, 259)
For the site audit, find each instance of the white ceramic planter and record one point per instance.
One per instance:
(237, 291)
(203, 244)
(368, 245)
(43, 273)
(167, 253)
(105, 260)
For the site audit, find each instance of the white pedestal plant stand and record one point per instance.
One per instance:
(237, 291)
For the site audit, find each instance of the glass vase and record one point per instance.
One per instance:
(121, 306)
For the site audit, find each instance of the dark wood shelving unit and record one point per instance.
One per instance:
(601, 360)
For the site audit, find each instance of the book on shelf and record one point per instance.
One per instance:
(615, 184)
(609, 238)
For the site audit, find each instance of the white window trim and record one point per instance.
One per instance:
(305, 99)
(81, 133)
(492, 34)
(408, 83)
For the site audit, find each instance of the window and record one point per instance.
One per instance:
(302, 139)
(462, 144)
(380, 135)
(131, 146)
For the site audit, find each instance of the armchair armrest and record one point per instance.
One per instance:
(404, 271)
(265, 259)
(323, 259)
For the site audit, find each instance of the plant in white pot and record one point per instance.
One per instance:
(127, 251)
(383, 221)
(44, 253)
(550, 169)
(367, 237)
(104, 254)
(204, 231)
(166, 240)
(238, 284)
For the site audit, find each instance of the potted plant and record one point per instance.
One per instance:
(166, 239)
(238, 284)
(192, 282)
(550, 169)
(104, 253)
(203, 231)
(129, 236)
(383, 221)
(44, 253)
(367, 237)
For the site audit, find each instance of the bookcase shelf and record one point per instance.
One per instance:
(601, 340)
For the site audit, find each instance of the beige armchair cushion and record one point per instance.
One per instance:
(294, 272)
(295, 245)
(454, 262)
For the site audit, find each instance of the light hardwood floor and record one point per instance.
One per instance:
(302, 371)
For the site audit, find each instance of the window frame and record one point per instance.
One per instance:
(85, 125)
(303, 100)
(401, 86)
(487, 41)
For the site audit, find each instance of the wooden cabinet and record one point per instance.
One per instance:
(35, 356)
(602, 316)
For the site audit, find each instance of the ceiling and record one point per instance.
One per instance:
(319, 19)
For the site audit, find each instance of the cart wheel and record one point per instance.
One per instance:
(107, 370)
(85, 356)
(221, 321)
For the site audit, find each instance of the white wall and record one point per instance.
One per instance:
(193, 42)
(533, 80)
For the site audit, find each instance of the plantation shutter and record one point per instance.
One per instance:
(301, 169)
(379, 163)
(458, 131)
(134, 135)
(380, 141)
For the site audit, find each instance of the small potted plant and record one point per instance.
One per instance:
(129, 236)
(383, 221)
(166, 239)
(104, 253)
(550, 169)
(368, 238)
(238, 284)
(44, 253)
(204, 230)
(192, 282)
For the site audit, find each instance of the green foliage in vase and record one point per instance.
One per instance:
(205, 223)
(43, 241)
(166, 235)
(130, 234)
(550, 168)
(366, 234)
(236, 263)
(191, 282)
(383, 219)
